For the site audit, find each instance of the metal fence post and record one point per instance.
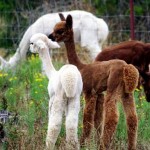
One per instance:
(132, 35)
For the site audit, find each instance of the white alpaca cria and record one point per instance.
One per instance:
(89, 31)
(64, 89)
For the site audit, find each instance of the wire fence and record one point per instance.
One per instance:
(119, 26)
(119, 23)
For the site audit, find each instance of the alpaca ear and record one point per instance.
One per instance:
(62, 17)
(69, 21)
(52, 44)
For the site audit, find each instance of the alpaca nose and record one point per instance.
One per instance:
(51, 37)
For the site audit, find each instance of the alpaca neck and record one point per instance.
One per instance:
(46, 61)
(71, 53)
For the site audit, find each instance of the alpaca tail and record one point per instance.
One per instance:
(130, 77)
(71, 80)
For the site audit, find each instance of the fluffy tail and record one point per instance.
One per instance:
(71, 80)
(130, 77)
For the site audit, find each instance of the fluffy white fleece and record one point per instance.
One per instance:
(89, 31)
(65, 87)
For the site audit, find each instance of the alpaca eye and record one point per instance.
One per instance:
(59, 32)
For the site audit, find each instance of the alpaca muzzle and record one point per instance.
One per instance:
(51, 37)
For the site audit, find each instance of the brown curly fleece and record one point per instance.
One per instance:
(115, 77)
(132, 52)
(130, 75)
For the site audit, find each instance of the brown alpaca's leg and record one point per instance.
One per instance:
(88, 119)
(110, 118)
(98, 118)
(131, 119)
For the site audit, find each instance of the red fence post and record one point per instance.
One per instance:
(131, 20)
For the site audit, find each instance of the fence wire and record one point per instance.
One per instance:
(119, 23)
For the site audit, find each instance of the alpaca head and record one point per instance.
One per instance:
(62, 30)
(39, 41)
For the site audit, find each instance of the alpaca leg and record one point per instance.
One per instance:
(131, 119)
(98, 118)
(72, 123)
(110, 118)
(55, 121)
(88, 118)
(50, 104)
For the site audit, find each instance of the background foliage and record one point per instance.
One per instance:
(16, 16)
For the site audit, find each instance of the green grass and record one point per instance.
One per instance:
(23, 91)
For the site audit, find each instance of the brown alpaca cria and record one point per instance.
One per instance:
(115, 77)
(132, 52)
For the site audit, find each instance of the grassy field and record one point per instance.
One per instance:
(23, 92)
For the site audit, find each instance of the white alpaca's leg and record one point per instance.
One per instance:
(55, 121)
(72, 123)
(50, 105)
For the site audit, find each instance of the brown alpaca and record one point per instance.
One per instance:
(132, 52)
(115, 77)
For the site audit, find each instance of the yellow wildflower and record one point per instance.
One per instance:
(137, 90)
(40, 85)
(10, 79)
(38, 79)
(31, 102)
(141, 87)
(5, 74)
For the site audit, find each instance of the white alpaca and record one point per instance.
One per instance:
(64, 89)
(89, 31)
